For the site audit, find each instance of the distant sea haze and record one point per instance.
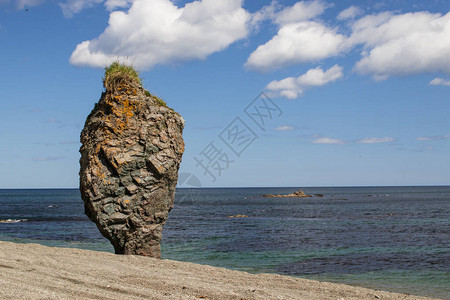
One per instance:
(390, 238)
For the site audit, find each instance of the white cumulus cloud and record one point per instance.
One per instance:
(327, 140)
(278, 14)
(350, 13)
(299, 38)
(293, 87)
(390, 44)
(402, 44)
(439, 81)
(296, 43)
(300, 11)
(375, 140)
(158, 32)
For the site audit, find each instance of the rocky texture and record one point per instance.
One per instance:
(298, 194)
(130, 155)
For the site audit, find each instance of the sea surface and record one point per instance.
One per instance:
(388, 238)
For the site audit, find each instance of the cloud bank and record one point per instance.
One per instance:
(402, 44)
(156, 32)
(389, 44)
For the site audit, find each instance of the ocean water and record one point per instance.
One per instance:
(389, 238)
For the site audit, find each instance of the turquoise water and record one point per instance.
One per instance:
(390, 238)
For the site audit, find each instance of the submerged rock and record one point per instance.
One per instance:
(130, 155)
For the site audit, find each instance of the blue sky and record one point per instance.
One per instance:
(359, 89)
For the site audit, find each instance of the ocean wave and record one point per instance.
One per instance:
(13, 220)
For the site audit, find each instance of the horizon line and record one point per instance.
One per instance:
(232, 187)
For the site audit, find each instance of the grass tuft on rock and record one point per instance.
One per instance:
(158, 101)
(118, 73)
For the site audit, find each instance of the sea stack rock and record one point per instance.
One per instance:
(130, 155)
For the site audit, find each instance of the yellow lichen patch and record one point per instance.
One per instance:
(127, 89)
(182, 148)
(122, 109)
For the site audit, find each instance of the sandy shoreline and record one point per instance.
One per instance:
(31, 271)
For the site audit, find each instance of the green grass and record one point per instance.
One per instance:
(159, 101)
(118, 73)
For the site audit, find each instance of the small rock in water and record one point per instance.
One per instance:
(11, 221)
(298, 194)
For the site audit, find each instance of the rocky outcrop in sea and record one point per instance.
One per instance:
(130, 155)
(298, 194)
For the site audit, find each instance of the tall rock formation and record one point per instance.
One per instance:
(130, 155)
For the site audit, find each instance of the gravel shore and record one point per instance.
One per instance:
(31, 271)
